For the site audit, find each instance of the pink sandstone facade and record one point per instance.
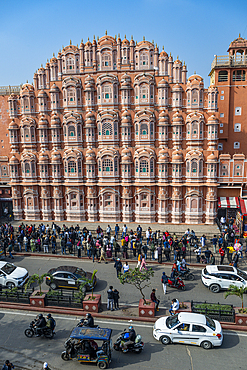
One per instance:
(113, 131)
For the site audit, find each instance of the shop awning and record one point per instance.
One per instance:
(228, 202)
(243, 206)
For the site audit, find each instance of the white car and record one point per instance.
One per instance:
(217, 277)
(188, 328)
(12, 276)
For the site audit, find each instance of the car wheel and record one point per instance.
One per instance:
(165, 339)
(29, 333)
(53, 286)
(191, 277)
(102, 365)
(10, 285)
(215, 288)
(206, 344)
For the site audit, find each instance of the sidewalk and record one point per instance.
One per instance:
(179, 229)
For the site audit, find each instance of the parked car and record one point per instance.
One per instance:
(217, 277)
(188, 328)
(69, 277)
(12, 276)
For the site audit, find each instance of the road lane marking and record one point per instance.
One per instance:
(108, 321)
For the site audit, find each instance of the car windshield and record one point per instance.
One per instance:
(172, 321)
(8, 268)
(79, 273)
(210, 323)
(243, 274)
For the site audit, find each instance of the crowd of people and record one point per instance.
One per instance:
(124, 243)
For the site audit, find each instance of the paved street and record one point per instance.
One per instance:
(128, 294)
(30, 353)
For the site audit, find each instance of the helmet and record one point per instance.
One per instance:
(45, 366)
(130, 327)
(49, 315)
(88, 315)
(40, 316)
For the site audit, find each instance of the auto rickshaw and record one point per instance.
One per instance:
(91, 345)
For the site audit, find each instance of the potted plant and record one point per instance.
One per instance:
(37, 298)
(91, 302)
(240, 315)
(141, 280)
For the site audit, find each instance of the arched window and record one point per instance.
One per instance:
(223, 76)
(27, 168)
(70, 63)
(194, 166)
(194, 96)
(71, 96)
(143, 166)
(106, 59)
(194, 129)
(107, 92)
(144, 93)
(71, 167)
(144, 59)
(107, 165)
(107, 129)
(71, 131)
(144, 129)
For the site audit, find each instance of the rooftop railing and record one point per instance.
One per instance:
(7, 90)
(229, 61)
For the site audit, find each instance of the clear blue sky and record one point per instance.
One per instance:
(196, 30)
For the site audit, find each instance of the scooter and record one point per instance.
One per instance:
(136, 347)
(179, 283)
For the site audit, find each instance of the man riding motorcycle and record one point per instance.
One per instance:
(89, 321)
(131, 338)
(39, 325)
(173, 277)
(51, 323)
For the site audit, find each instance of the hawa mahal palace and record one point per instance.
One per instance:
(114, 130)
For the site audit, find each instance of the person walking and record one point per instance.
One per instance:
(10, 250)
(116, 299)
(159, 249)
(139, 260)
(116, 231)
(164, 281)
(126, 267)
(102, 254)
(143, 263)
(214, 241)
(118, 266)
(222, 255)
(110, 298)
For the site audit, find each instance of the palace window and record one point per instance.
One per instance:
(71, 167)
(107, 165)
(223, 76)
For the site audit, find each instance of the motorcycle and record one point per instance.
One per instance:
(136, 347)
(186, 274)
(47, 332)
(178, 285)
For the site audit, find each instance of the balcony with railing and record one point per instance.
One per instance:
(229, 61)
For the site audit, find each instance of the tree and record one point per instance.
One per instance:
(89, 282)
(35, 278)
(239, 292)
(140, 279)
